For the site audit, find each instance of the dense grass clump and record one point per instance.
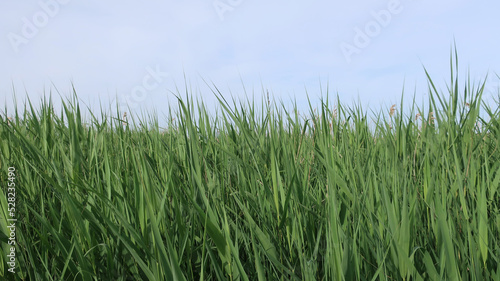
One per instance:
(243, 195)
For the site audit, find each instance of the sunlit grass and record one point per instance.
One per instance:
(241, 195)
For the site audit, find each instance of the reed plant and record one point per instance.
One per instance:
(257, 192)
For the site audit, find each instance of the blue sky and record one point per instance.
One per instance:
(137, 53)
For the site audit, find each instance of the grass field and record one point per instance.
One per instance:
(256, 192)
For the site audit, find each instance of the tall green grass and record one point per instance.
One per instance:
(258, 192)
